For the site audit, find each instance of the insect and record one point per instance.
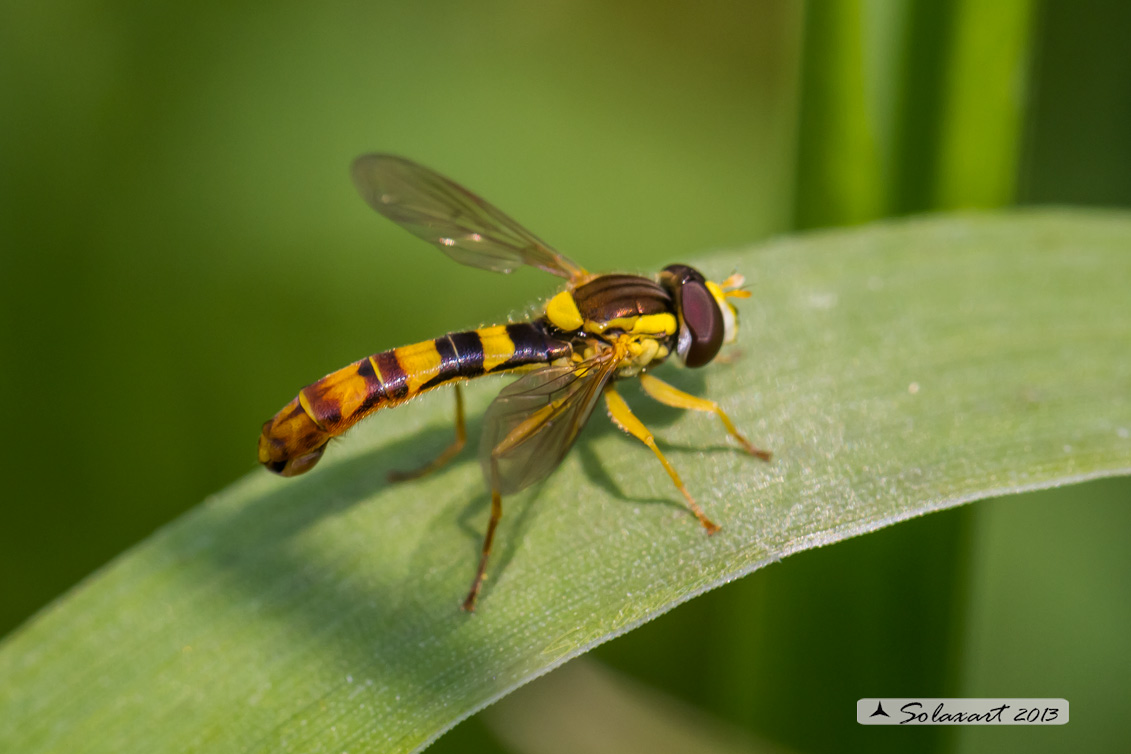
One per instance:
(599, 329)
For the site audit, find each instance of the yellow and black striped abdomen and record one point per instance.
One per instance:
(294, 439)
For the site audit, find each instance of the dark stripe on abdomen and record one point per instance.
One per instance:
(469, 352)
(335, 401)
(392, 375)
(533, 345)
(451, 367)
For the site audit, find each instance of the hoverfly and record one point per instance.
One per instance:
(601, 328)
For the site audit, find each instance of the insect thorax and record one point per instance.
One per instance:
(629, 311)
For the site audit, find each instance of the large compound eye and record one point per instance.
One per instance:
(703, 329)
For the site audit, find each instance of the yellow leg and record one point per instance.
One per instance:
(449, 453)
(623, 417)
(669, 396)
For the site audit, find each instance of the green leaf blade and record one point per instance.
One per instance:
(894, 370)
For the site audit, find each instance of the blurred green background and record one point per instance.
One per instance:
(182, 249)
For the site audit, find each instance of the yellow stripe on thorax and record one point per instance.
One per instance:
(562, 311)
(651, 324)
(497, 346)
(420, 362)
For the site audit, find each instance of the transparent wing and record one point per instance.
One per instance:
(533, 422)
(463, 226)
